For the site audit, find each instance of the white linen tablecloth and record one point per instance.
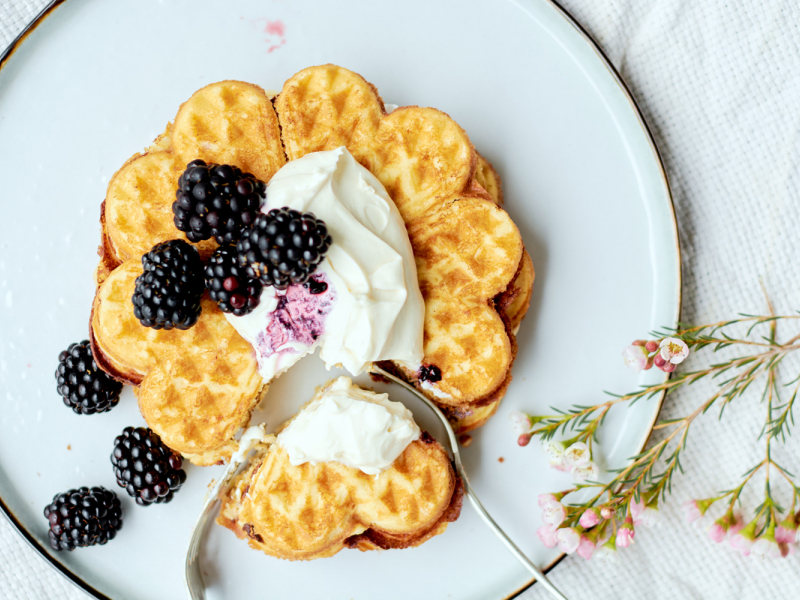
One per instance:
(719, 83)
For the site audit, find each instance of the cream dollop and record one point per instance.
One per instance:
(257, 434)
(378, 310)
(350, 425)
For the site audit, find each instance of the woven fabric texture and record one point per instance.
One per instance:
(719, 85)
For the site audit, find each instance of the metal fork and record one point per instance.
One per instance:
(194, 578)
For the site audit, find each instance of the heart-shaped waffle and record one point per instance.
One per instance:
(314, 510)
(467, 249)
(229, 122)
(196, 387)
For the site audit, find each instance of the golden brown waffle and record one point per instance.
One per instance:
(469, 255)
(514, 303)
(196, 387)
(228, 122)
(467, 249)
(313, 511)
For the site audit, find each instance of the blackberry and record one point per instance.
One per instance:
(216, 201)
(83, 517)
(228, 285)
(315, 287)
(83, 386)
(168, 293)
(430, 373)
(283, 246)
(148, 470)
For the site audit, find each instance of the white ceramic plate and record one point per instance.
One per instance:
(96, 81)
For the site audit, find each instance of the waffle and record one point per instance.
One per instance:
(470, 258)
(196, 387)
(315, 510)
(228, 122)
(467, 249)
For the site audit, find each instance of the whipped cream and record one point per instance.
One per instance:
(250, 437)
(352, 426)
(372, 309)
(433, 389)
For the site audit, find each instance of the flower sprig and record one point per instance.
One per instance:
(607, 514)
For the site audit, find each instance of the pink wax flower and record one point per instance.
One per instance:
(547, 535)
(717, 532)
(554, 514)
(589, 518)
(607, 512)
(626, 533)
(587, 472)
(635, 358)
(766, 546)
(743, 539)
(524, 439)
(637, 508)
(645, 514)
(673, 350)
(772, 544)
(695, 509)
(607, 551)
(568, 540)
(736, 525)
(520, 422)
(586, 548)
(555, 454)
(546, 500)
(786, 532)
(577, 455)
(719, 528)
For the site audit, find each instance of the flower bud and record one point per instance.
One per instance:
(625, 533)
(520, 422)
(586, 548)
(547, 535)
(554, 514)
(635, 357)
(546, 500)
(766, 546)
(607, 552)
(695, 509)
(786, 532)
(719, 528)
(645, 514)
(568, 540)
(743, 540)
(589, 518)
